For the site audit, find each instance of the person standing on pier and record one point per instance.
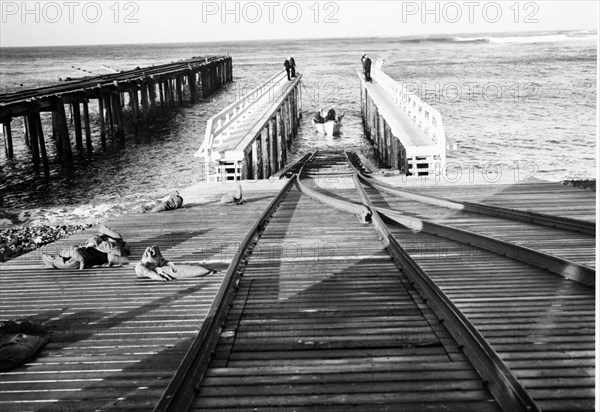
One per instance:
(366, 61)
(293, 66)
(287, 66)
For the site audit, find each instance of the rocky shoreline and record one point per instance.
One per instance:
(24, 231)
(19, 240)
(585, 184)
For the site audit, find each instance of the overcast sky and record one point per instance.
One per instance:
(110, 22)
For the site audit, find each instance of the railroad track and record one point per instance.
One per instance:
(540, 324)
(328, 310)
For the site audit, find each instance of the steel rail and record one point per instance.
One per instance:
(555, 264)
(504, 386)
(181, 390)
(361, 211)
(560, 266)
(293, 168)
(574, 225)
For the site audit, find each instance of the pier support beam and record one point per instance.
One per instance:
(26, 131)
(33, 139)
(109, 113)
(152, 95)
(192, 87)
(102, 124)
(63, 132)
(161, 93)
(118, 115)
(133, 98)
(273, 132)
(42, 144)
(8, 143)
(77, 125)
(256, 161)
(179, 87)
(264, 144)
(88, 129)
(145, 103)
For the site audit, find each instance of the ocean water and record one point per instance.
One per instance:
(523, 101)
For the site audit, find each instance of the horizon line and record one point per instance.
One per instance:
(591, 30)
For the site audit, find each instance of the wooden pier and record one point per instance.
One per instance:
(250, 138)
(408, 133)
(321, 310)
(141, 92)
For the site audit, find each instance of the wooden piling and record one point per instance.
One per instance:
(109, 113)
(33, 138)
(179, 89)
(8, 139)
(204, 80)
(264, 144)
(172, 92)
(273, 131)
(118, 114)
(76, 110)
(166, 85)
(280, 140)
(161, 93)
(247, 164)
(63, 132)
(102, 125)
(145, 102)
(86, 125)
(192, 86)
(56, 133)
(133, 97)
(152, 95)
(42, 144)
(26, 132)
(256, 160)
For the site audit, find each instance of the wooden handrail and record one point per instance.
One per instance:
(227, 117)
(422, 114)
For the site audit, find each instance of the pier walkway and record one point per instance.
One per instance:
(250, 138)
(408, 133)
(116, 342)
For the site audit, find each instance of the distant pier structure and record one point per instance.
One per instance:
(142, 91)
(408, 134)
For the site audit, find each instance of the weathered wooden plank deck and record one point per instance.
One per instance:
(542, 325)
(116, 341)
(328, 322)
(551, 198)
(322, 318)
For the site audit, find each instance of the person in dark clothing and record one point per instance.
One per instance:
(366, 61)
(319, 118)
(331, 115)
(293, 66)
(287, 66)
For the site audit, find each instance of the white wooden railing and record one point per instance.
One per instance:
(426, 117)
(225, 122)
